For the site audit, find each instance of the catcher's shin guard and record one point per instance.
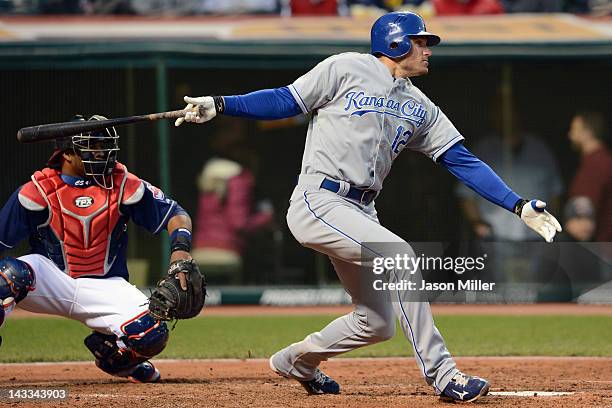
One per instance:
(144, 338)
(16, 280)
(145, 335)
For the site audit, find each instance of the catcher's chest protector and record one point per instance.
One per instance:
(82, 219)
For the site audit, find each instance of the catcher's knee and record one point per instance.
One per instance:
(144, 338)
(145, 335)
(16, 279)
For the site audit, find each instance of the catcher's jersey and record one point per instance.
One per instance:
(362, 118)
(29, 214)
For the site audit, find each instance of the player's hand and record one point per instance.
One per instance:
(177, 255)
(200, 109)
(535, 216)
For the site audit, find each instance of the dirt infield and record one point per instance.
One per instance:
(365, 383)
(381, 382)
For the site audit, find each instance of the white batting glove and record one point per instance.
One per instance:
(535, 216)
(201, 110)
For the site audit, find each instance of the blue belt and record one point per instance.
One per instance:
(362, 196)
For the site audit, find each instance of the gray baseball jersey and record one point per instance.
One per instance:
(362, 118)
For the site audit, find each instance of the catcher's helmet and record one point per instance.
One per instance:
(391, 34)
(97, 150)
(61, 145)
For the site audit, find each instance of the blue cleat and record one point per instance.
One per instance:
(320, 384)
(465, 388)
(145, 372)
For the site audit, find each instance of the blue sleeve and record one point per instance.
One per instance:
(266, 104)
(154, 209)
(478, 176)
(14, 225)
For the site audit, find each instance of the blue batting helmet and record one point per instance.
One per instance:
(391, 34)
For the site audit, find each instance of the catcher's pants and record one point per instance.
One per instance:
(337, 227)
(103, 305)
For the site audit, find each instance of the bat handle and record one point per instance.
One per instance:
(168, 115)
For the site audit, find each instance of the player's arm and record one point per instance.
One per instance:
(14, 225)
(478, 176)
(151, 209)
(310, 91)
(181, 294)
(179, 228)
(267, 104)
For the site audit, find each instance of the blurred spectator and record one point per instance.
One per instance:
(376, 8)
(529, 168)
(600, 7)
(108, 6)
(579, 216)
(236, 6)
(225, 218)
(533, 6)
(592, 7)
(593, 179)
(459, 7)
(313, 7)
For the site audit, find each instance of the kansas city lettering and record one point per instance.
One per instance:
(410, 109)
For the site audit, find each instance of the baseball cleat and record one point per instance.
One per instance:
(320, 384)
(145, 373)
(465, 388)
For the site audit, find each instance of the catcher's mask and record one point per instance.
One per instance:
(98, 152)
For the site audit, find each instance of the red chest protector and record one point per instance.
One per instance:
(83, 219)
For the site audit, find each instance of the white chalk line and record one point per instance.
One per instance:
(523, 394)
(111, 396)
(531, 393)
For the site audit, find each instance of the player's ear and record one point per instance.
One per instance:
(69, 155)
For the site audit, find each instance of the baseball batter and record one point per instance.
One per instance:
(75, 213)
(364, 113)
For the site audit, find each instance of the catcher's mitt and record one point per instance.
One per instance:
(169, 301)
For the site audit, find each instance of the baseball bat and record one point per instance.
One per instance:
(50, 131)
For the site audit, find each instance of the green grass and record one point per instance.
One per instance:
(52, 339)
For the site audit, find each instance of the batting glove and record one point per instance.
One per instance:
(200, 109)
(534, 215)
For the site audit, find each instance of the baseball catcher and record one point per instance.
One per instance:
(75, 213)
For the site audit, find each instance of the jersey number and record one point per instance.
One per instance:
(400, 140)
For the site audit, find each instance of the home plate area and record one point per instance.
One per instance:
(379, 382)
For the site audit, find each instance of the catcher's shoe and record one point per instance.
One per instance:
(145, 372)
(320, 384)
(466, 388)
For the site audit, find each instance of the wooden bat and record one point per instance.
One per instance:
(50, 131)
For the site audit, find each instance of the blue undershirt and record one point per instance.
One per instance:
(279, 103)
(275, 103)
(478, 176)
